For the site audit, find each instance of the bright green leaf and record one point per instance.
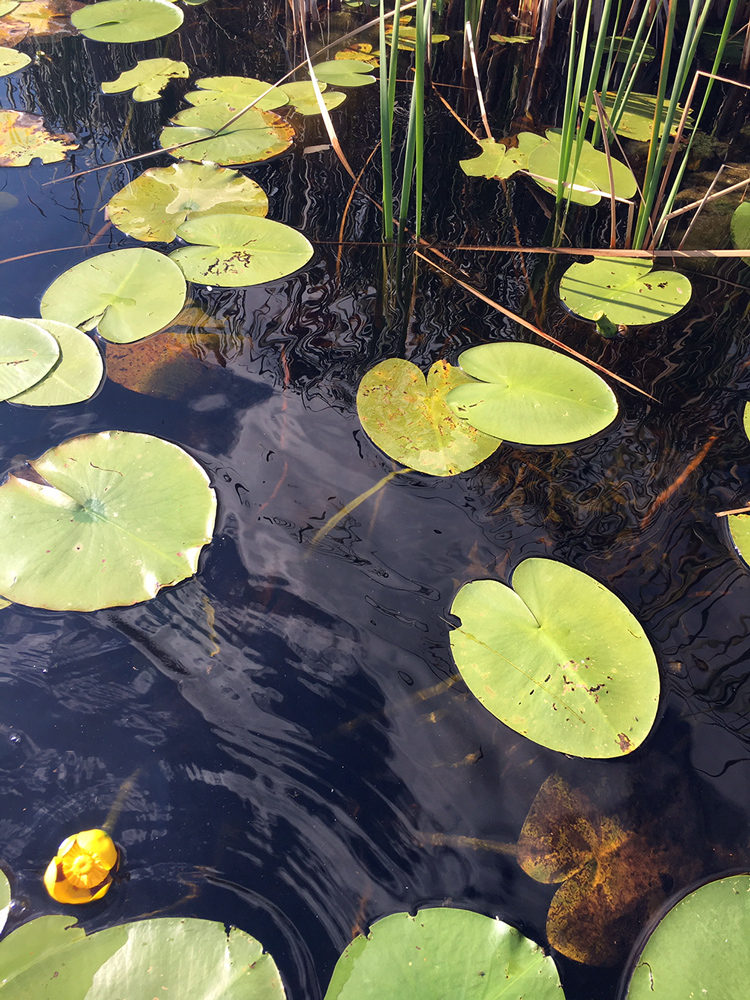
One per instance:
(4, 884)
(498, 160)
(558, 658)
(114, 518)
(257, 135)
(443, 954)
(625, 290)
(11, 61)
(407, 417)
(233, 251)
(125, 294)
(636, 121)
(302, 97)
(148, 78)
(740, 229)
(154, 205)
(27, 354)
(344, 73)
(237, 92)
(75, 377)
(592, 177)
(127, 20)
(532, 395)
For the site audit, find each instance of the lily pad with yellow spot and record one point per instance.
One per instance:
(24, 138)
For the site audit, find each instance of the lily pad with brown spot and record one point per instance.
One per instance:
(24, 138)
(39, 19)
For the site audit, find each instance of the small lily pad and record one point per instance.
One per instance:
(407, 417)
(27, 354)
(500, 161)
(344, 73)
(154, 205)
(234, 251)
(558, 658)
(636, 117)
(512, 39)
(407, 38)
(237, 92)
(127, 20)
(740, 229)
(591, 181)
(257, 135)
(443, 953)
(109, 520)
(531, 395)
(302, 97)
(147, 79)
(125, 294)
(11, 61)
(24, 138)
(626, 290)
(76, 375)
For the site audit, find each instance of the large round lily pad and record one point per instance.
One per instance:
(257, 135)
(700, 948)
(233, 251)
(27, 354)
(125, 294)
(109, 520)
(443, 954)
(531, 395)
(127, 20)
(154, 205)
(625, 290)
(168, 956)
(591, 181)
(407, 417)
(558, 658)
(75, 377)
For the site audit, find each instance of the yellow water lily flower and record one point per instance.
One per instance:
(81, 871)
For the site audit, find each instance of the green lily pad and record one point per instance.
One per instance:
(302, 97)
(407, 38)
(344, 73)
(182, 957)
(622, 46)
(699, 949)
(257, 135)
(237, 92)
(75, 377)
(233, 251)
(407, 417)
(127, 20)
(637, 118)
(592, 177)
(558, 658)
(27, 354)
(443, 954)
(740, 229)
(625, 290)
(500, 161)
(126, 294)
(739, 529)
(531, 395)
(11, 61)
(154, 205)
(148, 78)
(113, 518)
(4, 898)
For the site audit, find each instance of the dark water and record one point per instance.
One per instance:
(300, 763)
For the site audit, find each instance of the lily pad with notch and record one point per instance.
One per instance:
(107, 520)
(501, 161)
(147, 79)
(558, 658)
(407, 417)
(27, 354)
(125, 294)
(344, 73)
(531, 395)
(591, 182)
(74, 378)
(123, 21)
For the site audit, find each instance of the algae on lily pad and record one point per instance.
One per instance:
(12, 60)
(558, 658)
(155, 204)
(125, 294)
(127, 20)
(186, 957)
(233, 251)
(302, 97)
(591, 181)
(500, 161)
(407, 417)
(700, 948)
(147, 79)
(531, 395)
(442, 953)
(24, 138)
(108, 520)
(27, 353)
(237, 92)
(75, 377)
(344, 73)
(257, 135)
(625, 290)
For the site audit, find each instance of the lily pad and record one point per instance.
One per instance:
(170, 956)
(27, 354)
(75, 377)
(623, 45)
(154, 205)
(237, 92)
(360, 51)
(257, 135)
(591, 181)
(739, 529)
(344, 73)
(500, 161)
(302, 97)
(125, 294)
(147, 79)
(625, 290)
(7, 6)
(636, 119)
(558, 658)
(531, 395)
(407, 417)
(443, 954)
(407, 38)
(39, 19)
(24, 138)
(109, 520)
(233, 251)
(699, 949)
(5, 897)
(127, 20)
(11, 61)
(740, 229)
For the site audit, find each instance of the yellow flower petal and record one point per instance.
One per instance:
(82, 869)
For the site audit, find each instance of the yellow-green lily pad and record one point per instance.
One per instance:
(75, 376)
(344, 73)
(302, 97)
(127, 20)
(147, 79)
(11, 61)
(24, 138)
(27, 354)
(625, 290)
(500, 161)
(257, 135)
(237, 92)
(591, 182)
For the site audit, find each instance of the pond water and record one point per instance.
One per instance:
(298, 763)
